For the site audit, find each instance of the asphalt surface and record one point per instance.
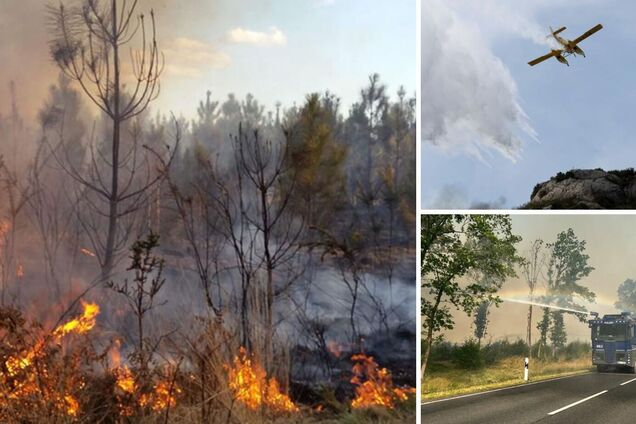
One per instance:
(606, 398)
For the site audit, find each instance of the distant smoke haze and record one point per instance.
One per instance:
(611, 245)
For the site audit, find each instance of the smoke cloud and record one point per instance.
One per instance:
(470, 101)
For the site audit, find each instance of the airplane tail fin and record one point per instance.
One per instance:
(557, 31)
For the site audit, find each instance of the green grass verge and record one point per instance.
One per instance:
(444, 379)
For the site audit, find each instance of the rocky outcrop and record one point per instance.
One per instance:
(586, 189)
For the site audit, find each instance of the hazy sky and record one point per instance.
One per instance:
(279, 50)
(493, 126)
(611, 245)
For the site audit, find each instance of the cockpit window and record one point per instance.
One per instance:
(610, 331)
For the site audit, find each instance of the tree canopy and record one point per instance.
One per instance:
(457, 252)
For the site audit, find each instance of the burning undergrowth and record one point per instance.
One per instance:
(42, 373)
(88, 368)
(80, 370)
(250, 386)
(66, 374)
(374, 385)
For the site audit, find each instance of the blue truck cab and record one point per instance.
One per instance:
(613, 341)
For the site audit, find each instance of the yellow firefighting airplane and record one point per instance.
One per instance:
(568, 47)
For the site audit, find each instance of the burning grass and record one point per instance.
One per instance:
(40, 374)
(61, 376)
(250, 386)
(375, 386)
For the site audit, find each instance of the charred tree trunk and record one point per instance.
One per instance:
(109, 251)
(429, 333)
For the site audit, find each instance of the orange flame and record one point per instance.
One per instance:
(163, 395)
(248, 381)
(72, 406)
(114, 356)
(334, 348)
(87, 252)
(125, 380)
(82, 324)
(25, 384)
(15, 364)
(375, 385)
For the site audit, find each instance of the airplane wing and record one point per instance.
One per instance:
(542, 58)
(588, 33)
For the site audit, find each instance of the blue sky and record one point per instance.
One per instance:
(330, 45)
(278, 50)
(576, 117)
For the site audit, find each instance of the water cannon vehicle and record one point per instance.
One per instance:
(613, 341)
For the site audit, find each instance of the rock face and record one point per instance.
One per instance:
(586, 189)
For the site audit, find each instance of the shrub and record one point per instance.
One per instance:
(442, 351)
(501, 349)
(468, 355)
(575, 350)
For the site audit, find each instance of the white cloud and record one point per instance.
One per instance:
(187, 57)
(275, 37)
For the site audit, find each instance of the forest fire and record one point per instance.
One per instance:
(79, 325)
(82, 324)
(248, 381)
(375, 385)
(25, 381)
(139, 250)
(162, 395)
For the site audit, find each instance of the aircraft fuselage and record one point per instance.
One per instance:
(568, 46)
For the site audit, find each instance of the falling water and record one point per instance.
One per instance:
(544, 305)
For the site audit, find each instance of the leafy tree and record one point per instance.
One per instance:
(204, 130)
(458, 250)
(626, 296)
(543, 326)
(365, 132)
(316, 160)
(468, 355)
(567, 265)
(558, 338)
(481, 320)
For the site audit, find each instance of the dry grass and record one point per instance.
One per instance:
(403, 413)
(446, 380)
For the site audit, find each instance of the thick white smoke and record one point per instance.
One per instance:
(470, 101)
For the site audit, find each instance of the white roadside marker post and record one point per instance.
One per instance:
(525, 370)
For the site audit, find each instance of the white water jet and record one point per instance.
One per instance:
(544, 305)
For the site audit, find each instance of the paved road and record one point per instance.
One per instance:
(607, 398)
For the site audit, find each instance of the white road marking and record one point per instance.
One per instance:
(502, 388)
(576, 403)
(628, 381)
